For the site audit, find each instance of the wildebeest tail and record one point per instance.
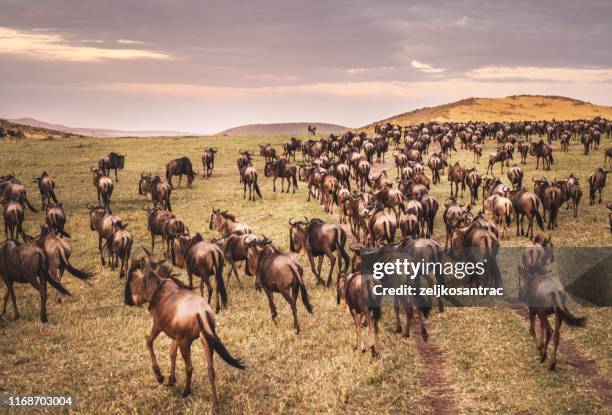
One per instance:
(43, 271)
(54, 197)
(208, 336)
(64, 233)
(297, 273)
(28, 204)
(538, 217)
(551, 160)
(256, 187)
(218, 264)
(82, 274)
(388, 233)
(294, 180)
(340, 244)
(568, 317)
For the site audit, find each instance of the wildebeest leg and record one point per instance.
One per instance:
(532, 317)
(274, 184)
(244, 190)
(173, 353)
(408, 309)
(373, 334)
(332, 259)
(314, 271)
(292, 304)
(150, 339)
(211, 375)
(319, 267)
(190, 275)
(271, 304)
(398, 323)
(116, 178)
(180, 178)
(185, 347)
(558, 321)
(11, 292)
(421, 317)
(233, 268)
(100, 250)
(546, 331)
(357, 320)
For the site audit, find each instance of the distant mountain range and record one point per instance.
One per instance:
(289, 128)
(95, 132)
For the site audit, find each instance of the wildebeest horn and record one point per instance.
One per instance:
(92, 169)
(291, 221)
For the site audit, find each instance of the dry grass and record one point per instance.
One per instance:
(94, 346)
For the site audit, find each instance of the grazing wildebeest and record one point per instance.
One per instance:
(13, 220)
(456, 176)
(179, 167)
(104, 188)
(46, 187)
(225, 223)
(28, 264)
(112, 161)
(319, 239)
(58, 253)
(515, 175)
(120, 247)
(502, 210)
(202, 259)
(501, 156)
(597, 182)
(249, 178)
(544, 295)
(208, 161)
(181, 315)
(542, 151)
(350, 293)
(473, 182)
(283, 169)
(526, 204)
(277, 272)
(55, 218)
(102, 222)
(159, 189)
(12, 190)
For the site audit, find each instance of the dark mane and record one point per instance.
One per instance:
(229, 216)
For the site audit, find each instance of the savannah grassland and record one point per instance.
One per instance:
(94, 347)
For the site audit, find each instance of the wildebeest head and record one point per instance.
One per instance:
(255, 247)
(297, 234)
(144, 184)
(96, 214)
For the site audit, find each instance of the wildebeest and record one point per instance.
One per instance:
(234, 247)
(156, 218)
(277, 272)
(55, 218)
(597, 182)
(283, 169)
(515, 175)
(120, 247)
(473, 182)
(501, 156)
(409, 226)
(523, 149)
(542, 151)
(28, 264)
(14, 216)
(58, 253)
(159, 189)
(202, 259)
(291, 146)
(544, 295)
(502, 210)
(208, 161)
(46, 186)
(179, 167)
(172, 228)
(249, 178)
(225, 223)
(430, 208)
(381, 226)
(319, 239)
(552, 197)
(608, 156)
(392, 199)
(453, 217)
(112, 161)
(350, 292)
(12, 190)
(456, 176)
(245, 159)
(101, 222)
(267, 151)
(104, 188)
(180, 314)
(526, 204)
(572, 192)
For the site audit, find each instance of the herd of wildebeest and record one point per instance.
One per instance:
(337, 170)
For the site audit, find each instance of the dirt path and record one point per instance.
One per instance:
(586, 367)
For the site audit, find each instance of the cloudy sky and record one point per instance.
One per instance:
(204, 66)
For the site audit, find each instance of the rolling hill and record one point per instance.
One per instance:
(95, 132)
(291, 128)
(512, 108)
